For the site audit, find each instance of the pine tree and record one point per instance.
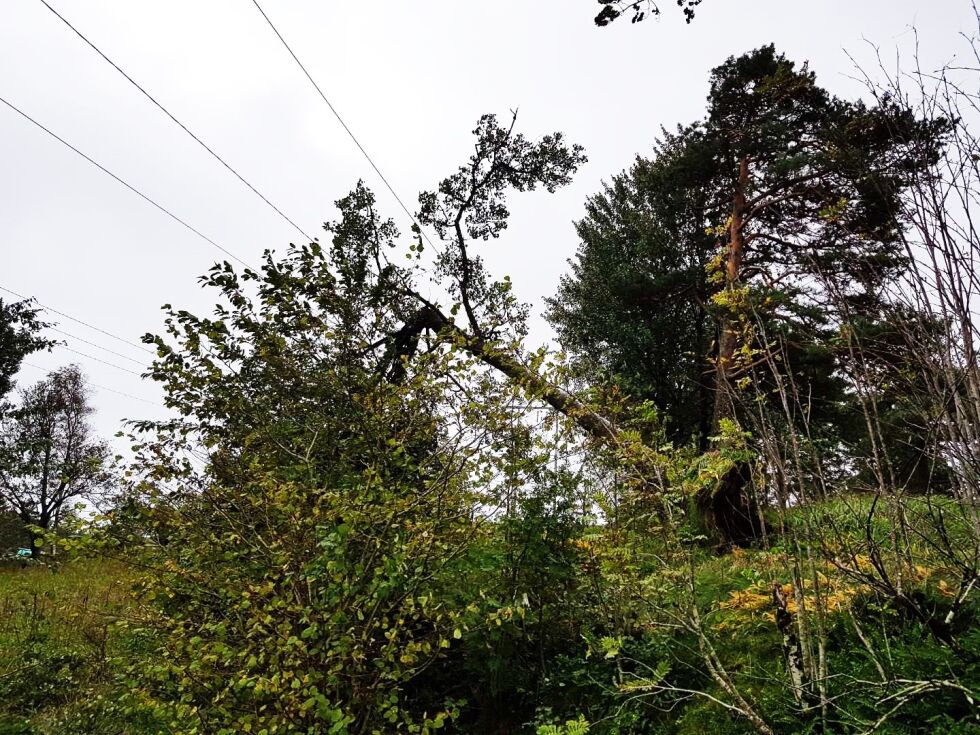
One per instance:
(797, 191)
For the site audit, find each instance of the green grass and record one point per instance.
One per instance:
(65, 663)
(58, 641)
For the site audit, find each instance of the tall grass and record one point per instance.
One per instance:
(58, 640)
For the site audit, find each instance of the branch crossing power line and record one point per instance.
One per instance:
(166, 211)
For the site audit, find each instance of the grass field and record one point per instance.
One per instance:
(76, 647)
(58, 643)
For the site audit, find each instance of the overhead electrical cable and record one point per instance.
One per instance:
(104, 362)
(183, 127)
(336, 114)
(98, 346)
(121, 181)
(101, 387)
(79, 321)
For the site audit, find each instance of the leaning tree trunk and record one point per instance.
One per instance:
(728, 508)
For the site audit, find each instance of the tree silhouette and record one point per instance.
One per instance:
(613, 9)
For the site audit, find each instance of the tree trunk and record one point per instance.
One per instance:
(36, 539)
(44, 523)
(730, 506)
(502, 360)
(728, 327)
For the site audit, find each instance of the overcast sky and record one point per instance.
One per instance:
(411, 77)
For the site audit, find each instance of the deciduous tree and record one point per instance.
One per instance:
(49, 454)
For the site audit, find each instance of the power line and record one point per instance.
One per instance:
(104, 362)
(344, 124)
(93, 344)
(124, 183)
(183, 127)
(102, 387)
(79, 321)
(127, 395)
(98, 346)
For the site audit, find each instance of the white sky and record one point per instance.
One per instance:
(411, 77)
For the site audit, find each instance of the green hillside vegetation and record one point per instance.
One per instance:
(559, 622)
(742, 499)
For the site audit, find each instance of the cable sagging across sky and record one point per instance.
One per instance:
(52, 310)
(183, 127)
(343, 124)
(123, 182)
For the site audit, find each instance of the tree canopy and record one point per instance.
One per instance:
(48, 452)
(19, 337)
(759, 229)
(375, 508)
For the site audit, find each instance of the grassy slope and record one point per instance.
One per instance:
(60, 652)
(57, 642)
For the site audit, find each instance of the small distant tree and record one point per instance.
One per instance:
(48, 452)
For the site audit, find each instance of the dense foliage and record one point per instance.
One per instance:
(756, 231)
(376, 510)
